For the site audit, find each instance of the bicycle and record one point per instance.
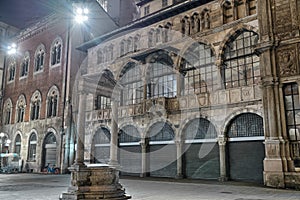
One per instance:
(51, 170)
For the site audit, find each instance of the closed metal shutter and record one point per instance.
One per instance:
(246, 150)
(202, 161)
(102, 153)
(130, 157)
(50, 154)
(101, 146)
(163, 160)
(131, 160)
(246, 161)
(201, 157)
(162, 151)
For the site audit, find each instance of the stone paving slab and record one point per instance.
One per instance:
(49, 187)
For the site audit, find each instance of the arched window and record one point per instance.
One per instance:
(129, 134)
(161, 132)
(25, 65)
(20, 108)
(35, 105)
(227, 11)
(103, 99)
(199, 69)
(136, 43)
(100, 56)
(251, 7)
(39, 58)
(151, 40)
(166, 32)
(158, 35)
(195, 23)
(239, 9)
(12, 70)
(110, 52)
(240, 63)
(7, 110)
(161, 77)
(246, 125)
(129, 45)
(52, 102)
(205, 22)
(32, 147)
(200, 128)
(185, 26)
(56, 52)
(122, 48)
(18, 144)
(133, 88)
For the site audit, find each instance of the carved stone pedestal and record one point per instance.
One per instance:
(94, 182)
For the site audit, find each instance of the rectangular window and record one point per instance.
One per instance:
(292, 111)
(146, 10)
(103, 102)
(164, 3)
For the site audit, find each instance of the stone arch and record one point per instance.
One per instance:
(40, 47)
(233, 115)
(120, 70)
(156, 121)
(188, 44)
(53, 89)
(187, 120)
(232, 34)
(96, 129)
(100, 145)
(131, 124)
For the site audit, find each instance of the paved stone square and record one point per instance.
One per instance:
(49, 187)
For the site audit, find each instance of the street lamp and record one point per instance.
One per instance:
(81, 15)
(12, 49)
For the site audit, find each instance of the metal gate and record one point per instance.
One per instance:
(162, 151)
(246, 150)
(130, 156)
(201, 157)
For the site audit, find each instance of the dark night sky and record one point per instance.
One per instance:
(21, 13)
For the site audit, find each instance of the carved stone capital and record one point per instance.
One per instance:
(222, 140)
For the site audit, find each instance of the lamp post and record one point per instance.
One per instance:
(89, 181)
(79, 16)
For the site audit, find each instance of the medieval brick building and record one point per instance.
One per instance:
(197, 89)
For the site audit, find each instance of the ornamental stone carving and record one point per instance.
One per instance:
(286, 62)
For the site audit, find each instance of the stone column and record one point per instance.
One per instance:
(179, 145)
(114, 135)
(222, 151)
(81, 129)
(143, 144)
(92, 182)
